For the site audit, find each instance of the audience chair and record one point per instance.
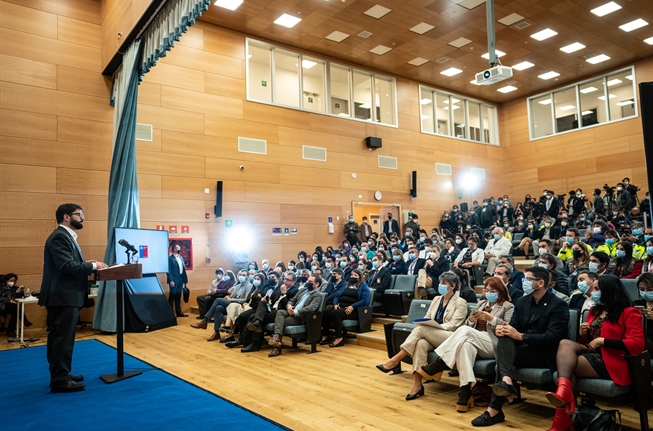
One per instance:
(630, 284)
(364, 322)
(396, 301)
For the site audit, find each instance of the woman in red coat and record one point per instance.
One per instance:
(613, 329)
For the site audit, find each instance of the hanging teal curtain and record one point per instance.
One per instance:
(167, 27)
(123, 182)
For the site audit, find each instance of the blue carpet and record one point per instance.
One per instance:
(154, 400)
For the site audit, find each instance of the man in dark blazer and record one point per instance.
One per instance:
(63, 292)
(514, 276)
(416, 263)
(551, 204)
(379, 278)
(177, 279)
(530, 339)
(391, 226)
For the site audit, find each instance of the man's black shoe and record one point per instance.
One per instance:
(485, 420)
(503, 389)
(182, 315)
(254, 326)
(76, 379)
(69, 386)
(232, 344)
(251, 348)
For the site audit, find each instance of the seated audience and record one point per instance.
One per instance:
(436, 263)
(611, 242)
(596, 235)
(470, 256)
(624, 264)
(613, 329)
(450, 250)
(448, 311)
(529, 237)
(581, 298)
(465, 291)
(546, 247)
(647, 263)
(235, 309)
(397, 265)
(345, 303)
(219, 289)
(548, 262)
(526, 342)
(498, 246)
(580, 258)
(305, 302)
(9, 292)
(475, 338)
(599, 263)
(514, 282)
(379, 278)
(645, 305)
(414, 263)
(566, 251)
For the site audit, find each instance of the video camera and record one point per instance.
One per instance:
(608, 190)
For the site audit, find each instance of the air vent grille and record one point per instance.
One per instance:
(314, 153)
(522, 25)
(365, 34)
(250, 145)
(387, 162)
(478, 173)
(442, 169)
(143, 132)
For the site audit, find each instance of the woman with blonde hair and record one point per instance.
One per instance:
(474, 338)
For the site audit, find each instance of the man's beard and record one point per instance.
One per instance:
(77, 224)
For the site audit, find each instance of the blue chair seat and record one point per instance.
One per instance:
(484, 367)
(529, 376)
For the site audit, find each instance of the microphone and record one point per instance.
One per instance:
(127, 245)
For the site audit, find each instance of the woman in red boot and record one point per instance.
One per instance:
(613, 329)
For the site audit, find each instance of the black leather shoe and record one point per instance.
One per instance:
(76, 379)
(387, 370)
(255, 326)
(340, 344)
(250, 348)
(433, 371)
(227, 339)
(182, 315)
(503, 389)
(69, 386)
(411, 397)
(232, 344)
(485, 420)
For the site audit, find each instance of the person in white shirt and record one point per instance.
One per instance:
(470, 256)
(498, 246)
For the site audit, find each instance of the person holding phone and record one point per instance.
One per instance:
(645, 305)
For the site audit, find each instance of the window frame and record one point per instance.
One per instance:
(576, 88)
(326, 85)
(493, 122)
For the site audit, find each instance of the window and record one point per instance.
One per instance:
(588, 103)
(293, 80)
(451, 115)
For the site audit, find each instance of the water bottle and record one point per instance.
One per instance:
(28, 293)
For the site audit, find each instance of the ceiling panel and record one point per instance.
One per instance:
(570, 18)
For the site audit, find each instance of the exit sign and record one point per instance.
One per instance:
(264, 83)
(228, 223)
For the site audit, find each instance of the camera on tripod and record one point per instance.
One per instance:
(608, 190)
(561, 197)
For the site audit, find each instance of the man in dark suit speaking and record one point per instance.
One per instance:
(63, 292)
(177, 278)
(391, 226)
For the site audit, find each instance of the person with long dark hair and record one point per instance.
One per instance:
(625, 265)
(613, 329)
(345, 302)
(645, 305)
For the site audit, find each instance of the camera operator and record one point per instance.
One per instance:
(623, 199)
(598, 204)
(632, 189)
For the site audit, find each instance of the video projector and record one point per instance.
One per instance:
(494, 74)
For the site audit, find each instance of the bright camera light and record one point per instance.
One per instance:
(238, 239)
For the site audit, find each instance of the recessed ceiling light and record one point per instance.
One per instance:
(588, 90)
(572, 48)
(451, 71)
(229, 4)
(587, 112)
(337, 36)
(625, 103)
(425, 101)
(598, 59)
(614, 82)
(422, 28)
(418, 61)
(633, 25)
(612, 96)
(380, 49)
(287, 20)
(510, 19)
(499, 54)
(544, 34)
(507, 89)
(649, 40)
(523, 65)
(460, 42)
(307, 64)
(545, 102)
(605, 9)
(377, 11)
(548, 75)
(567, 108)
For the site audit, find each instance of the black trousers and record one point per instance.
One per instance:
(512, 353)
(174, 299)
(333, 318)
(241, 321)
(62, 322)
(11, 310)
(204, 303)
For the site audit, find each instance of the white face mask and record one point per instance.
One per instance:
(10, 284)
(543, 251)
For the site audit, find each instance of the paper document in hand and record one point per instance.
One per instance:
(428, 322)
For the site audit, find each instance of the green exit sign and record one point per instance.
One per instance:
(460, 196)
(228, 223)
(264, 83)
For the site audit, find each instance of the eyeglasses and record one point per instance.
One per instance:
(531, 279)
(80, 214)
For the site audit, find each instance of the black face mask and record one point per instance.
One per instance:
(576, 253)
(309, 286)
(302, 279)
(333, 279)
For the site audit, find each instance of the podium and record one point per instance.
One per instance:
(120, 273)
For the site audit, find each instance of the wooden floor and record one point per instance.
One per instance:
(337, 389)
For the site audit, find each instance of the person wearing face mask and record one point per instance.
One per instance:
(345, 302)
(498, 246)
(624, 265)
(599, 263)
(526, 341)
(611, 243)
(305, 302)
(397, 264)
(545, 246)
(176, 279)
(596, 235)
(329, 265)
(449, 311)
(581, 298)
(470, 256)
(598, 206)
(647, 263)
(488, 214)
(551, 204)
(335, 282)
(413, 225)
(475, 338)
(390, 226)
(645, 305)
(8, 306)
(622, 198)
(265, 266)
(252, 266)
(241, 317)
(273, 298)
(379, 277)
(613, 329)
(365, 230)
(547, 231)
(301, 261)
(636, 237)
(436, 264)
(450, 250)
(529, 236)
(414, 263)
(560, 284)
(239, 294)
(511, 277)
(566, 253)
(580, 259)
(219, 289)
(351, 230)
(447, 223)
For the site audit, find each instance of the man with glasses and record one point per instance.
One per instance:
(506, 273)
(63, 292)
(530, 339)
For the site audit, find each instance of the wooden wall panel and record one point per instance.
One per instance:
(46, 153)
(196, 101)
(89, 132)
(149, 186)
(224, 86)
(27, 125)
(79, 32)
(230, 170)
(29, 72)
(84, 82)
(42, 206)
(95, 182)
(28, 20)
(84, 10)
(149, 94)
(177, 76)
(171, 119)
(21, 178)
(167, 164)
